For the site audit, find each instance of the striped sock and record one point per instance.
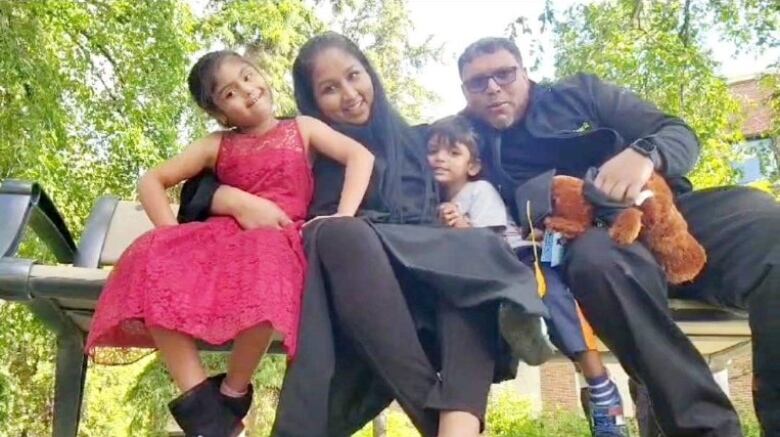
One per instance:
(602, 390)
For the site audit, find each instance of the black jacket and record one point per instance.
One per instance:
(581, 122)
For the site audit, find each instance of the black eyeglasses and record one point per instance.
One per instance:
(502, 76)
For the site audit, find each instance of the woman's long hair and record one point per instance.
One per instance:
(385, 133)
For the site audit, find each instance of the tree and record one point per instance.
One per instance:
(657, 49)
(771, 159)
(26, 373)
(91, 94)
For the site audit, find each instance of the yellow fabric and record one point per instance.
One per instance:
(541, 284)
(587, 331)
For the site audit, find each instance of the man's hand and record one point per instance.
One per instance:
(624, 176)
(450, 215)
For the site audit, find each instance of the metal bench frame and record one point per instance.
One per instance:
(22, 205)
(59, 300)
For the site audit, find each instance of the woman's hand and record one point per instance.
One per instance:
(258, 212)
(250, 211)
(450, 215)
(321, 217)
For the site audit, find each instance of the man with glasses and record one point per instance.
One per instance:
(580, 123)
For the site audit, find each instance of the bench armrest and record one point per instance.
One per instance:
(23, 204)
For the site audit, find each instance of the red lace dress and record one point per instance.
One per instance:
(212, 279)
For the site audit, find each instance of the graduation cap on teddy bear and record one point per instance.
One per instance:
(571, 206)
(535, 201)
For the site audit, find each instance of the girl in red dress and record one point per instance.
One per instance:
(218, 281)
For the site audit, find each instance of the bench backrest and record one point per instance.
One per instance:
(128, 222)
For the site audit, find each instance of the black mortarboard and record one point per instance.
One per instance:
(537, 191)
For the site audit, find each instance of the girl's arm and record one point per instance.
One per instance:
(359, 162)
(151, 188)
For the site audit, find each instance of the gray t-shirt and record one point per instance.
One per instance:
(481, 203)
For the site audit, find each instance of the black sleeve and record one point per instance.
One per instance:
(622, 110)
(196, 197)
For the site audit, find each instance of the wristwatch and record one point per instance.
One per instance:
(644, 147)
(647, 148)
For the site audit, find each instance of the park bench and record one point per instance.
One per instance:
(63, 294)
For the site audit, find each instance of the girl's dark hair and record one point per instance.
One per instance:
(385, 133)
(456, 129)
(201, 79)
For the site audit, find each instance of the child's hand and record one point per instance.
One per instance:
(448, 211)
(256, 212)
(536, 234)
(450, 215)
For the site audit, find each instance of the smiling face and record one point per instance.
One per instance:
(498, 105)
(342, 87)
(241, 94)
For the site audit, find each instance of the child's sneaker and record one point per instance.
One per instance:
(525, 334)
(608, 420)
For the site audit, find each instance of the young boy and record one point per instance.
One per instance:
(470, 202)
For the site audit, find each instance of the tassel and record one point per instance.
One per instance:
(541, 285)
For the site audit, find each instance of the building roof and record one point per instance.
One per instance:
(755, 100)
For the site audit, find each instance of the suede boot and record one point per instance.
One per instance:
(239, 406)
(200, 412)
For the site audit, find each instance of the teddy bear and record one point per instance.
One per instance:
(656, 222)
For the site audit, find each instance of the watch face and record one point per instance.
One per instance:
(642, 145)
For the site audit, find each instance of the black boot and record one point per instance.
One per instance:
(200, 412)
(239, 406)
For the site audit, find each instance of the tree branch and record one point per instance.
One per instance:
(636, 14)
(86, 53)
(103, 51)
(685, 28)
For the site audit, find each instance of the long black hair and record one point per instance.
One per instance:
(386, 134)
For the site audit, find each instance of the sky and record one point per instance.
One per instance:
(461, 22)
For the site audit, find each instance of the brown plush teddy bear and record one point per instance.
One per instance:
(657, 222)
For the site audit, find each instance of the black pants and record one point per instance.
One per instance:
(624, 294)
(372, 311)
